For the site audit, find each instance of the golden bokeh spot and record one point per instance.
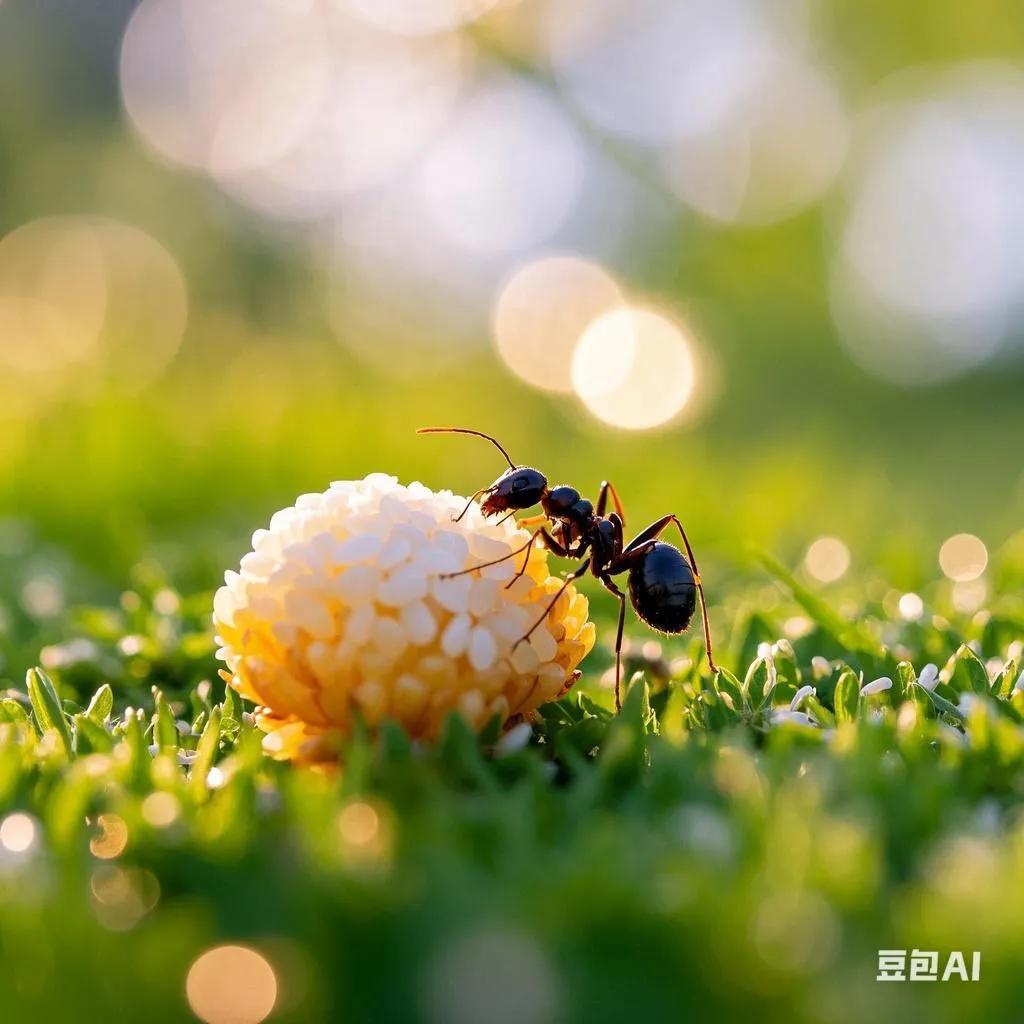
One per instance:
(963, 557)
(231, 985)
(359, 824)
(634, 368)
(365, 831)
(85, 302)
(111, 839)
(121, 896)
(161, 809)
(543, 310)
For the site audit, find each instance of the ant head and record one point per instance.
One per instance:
(516, 489)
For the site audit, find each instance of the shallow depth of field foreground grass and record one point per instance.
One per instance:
(708, 855)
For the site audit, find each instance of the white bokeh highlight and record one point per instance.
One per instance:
(928, 276)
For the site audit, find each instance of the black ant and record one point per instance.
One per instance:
(664, 584)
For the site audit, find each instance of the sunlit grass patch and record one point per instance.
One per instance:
(849, 782)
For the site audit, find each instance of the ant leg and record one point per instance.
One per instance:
(652, 533)
(496, 561)
(602, 500)
(613, 589)
(551, 604)
(526, 560)
(550, 541)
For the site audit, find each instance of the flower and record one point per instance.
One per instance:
(821, 667)
(782, 716)
(929, 677)
(342, 608)
(876, 686)
(800, 696)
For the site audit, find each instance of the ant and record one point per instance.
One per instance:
(664, 584)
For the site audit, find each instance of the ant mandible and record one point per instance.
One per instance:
(664, 584)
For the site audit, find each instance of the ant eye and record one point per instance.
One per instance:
(518, 485)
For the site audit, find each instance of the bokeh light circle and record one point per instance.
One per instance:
(542, 311)
(231, 985)
(189, 83)
(911, 607)
(290, 107)
(963, 557)
(827, 559)
(776, 150)
(507, 172)
(928, 277)
(18, 833)
(655, 70)
(634, 368)
(386, 97)
(86, 302)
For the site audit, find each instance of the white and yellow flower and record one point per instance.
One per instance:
(342, 608)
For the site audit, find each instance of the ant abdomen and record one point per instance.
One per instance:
(663, 589)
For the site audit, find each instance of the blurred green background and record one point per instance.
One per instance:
(247, 247)
(321, 332)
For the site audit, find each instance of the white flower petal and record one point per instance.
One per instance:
(876, 686)
(780, 716)
(483, 651)
(456, 636)
(420, 625)
(409, 583)
(799, 697)
(515, 739)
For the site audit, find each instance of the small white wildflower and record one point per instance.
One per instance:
(72, 652)
(186, 757)
(929, 677)
(515, 739)
(876, 686)
(800, 696)
(781, 716)
(821, 667)
(764, 650)
(783, 647)
(966, 702)
(1019, 685)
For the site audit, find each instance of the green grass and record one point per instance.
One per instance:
(698, 857)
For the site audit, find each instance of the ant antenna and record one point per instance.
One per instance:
(466, 430)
